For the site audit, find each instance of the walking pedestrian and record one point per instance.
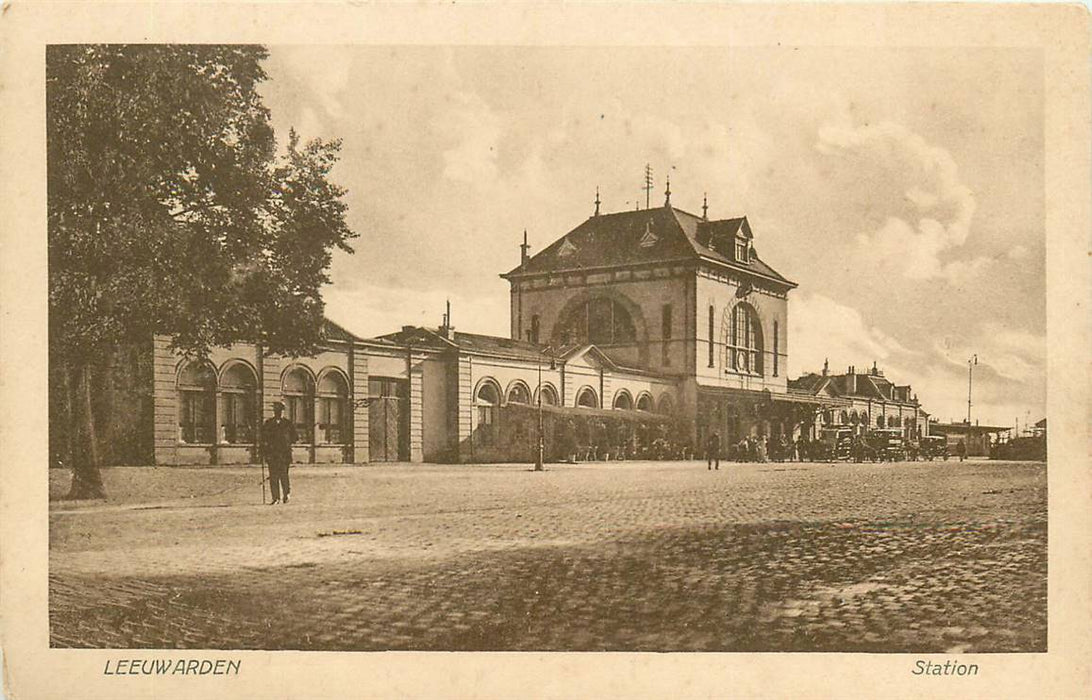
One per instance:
(712, 450)
(278, 434)
(962, 450)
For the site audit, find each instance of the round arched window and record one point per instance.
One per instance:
(197, 398)
(744, 341)
(238, 396)
(298, 389)
(587, 398)
(549, 395)
(623, 401)
(334, 414)
(518, 393)
(599, 320)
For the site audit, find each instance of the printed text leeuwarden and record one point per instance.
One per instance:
(172, 667)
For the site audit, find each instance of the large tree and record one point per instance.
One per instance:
(170, 211)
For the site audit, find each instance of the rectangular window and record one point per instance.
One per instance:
(665, 334)
(775, 349)
(710, 335)
(534, 329)
(741, 251)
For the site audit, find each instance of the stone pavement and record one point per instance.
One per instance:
(924, 557)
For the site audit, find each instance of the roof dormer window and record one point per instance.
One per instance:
(742, 251)
(567, 248)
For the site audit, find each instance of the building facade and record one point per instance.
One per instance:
(872, 401)
(638, 333)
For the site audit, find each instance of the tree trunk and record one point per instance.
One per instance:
(86, 478)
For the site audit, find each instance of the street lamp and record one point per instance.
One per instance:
(970, 371)
(541, 437)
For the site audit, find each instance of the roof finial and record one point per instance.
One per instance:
(524, 256)
(826, 366)
(667, 199)
(705, 206)
(597, 200)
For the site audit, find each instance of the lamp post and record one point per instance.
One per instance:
(970, 373)
(540, 455)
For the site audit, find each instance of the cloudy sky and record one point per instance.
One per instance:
(901, 188)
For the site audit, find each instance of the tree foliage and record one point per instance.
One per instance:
(170, 211)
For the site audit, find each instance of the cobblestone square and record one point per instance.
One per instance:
(625, 556)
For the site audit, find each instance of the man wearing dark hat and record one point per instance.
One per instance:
(278, 434)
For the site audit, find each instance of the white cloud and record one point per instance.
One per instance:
(889, 159)
(1014, 355)
(371, 310)
(477, 132)
(821, 328)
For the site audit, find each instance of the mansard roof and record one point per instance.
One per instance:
(868, 386)
(647, 236)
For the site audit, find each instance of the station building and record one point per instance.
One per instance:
(871, 401)
(637, 327)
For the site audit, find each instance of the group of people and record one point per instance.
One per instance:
(758, 448)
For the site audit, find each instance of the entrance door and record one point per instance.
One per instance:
(388, 420)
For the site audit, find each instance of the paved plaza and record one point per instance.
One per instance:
(628, 556)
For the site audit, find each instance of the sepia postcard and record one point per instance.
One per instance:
(545, 350)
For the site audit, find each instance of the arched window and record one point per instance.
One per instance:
(197, 399)
(879, 421)
(486, 401)
(587, 398)
(667, 406)
(745, 340)
(644, 402)
(548, 395)
(298, 389)
(854, 418)
(623, 401)
(238, 396)
(599, 320)
(519, 393)
(845, 418)
(333, 394)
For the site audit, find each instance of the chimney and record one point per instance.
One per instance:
(446, 329)
(524, 256)
(851, 380)
(826, 367)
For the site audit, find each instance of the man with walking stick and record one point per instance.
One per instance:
(278, 434)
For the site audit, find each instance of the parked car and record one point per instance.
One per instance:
(887, 444)
(834, 443)
(934, 447)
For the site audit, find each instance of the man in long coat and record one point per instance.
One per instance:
(278, 434)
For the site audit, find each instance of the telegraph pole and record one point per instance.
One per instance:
(970, 373)
(648, 185)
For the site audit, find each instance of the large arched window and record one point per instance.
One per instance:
(667, 405)
(238, 396)
(587, 398)
(644, 402)
(744, 340)
(333, 396)
(623, 401)
(197, 399)
(879, 421)
(599, 320)
(298, 389)
(486, 401)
